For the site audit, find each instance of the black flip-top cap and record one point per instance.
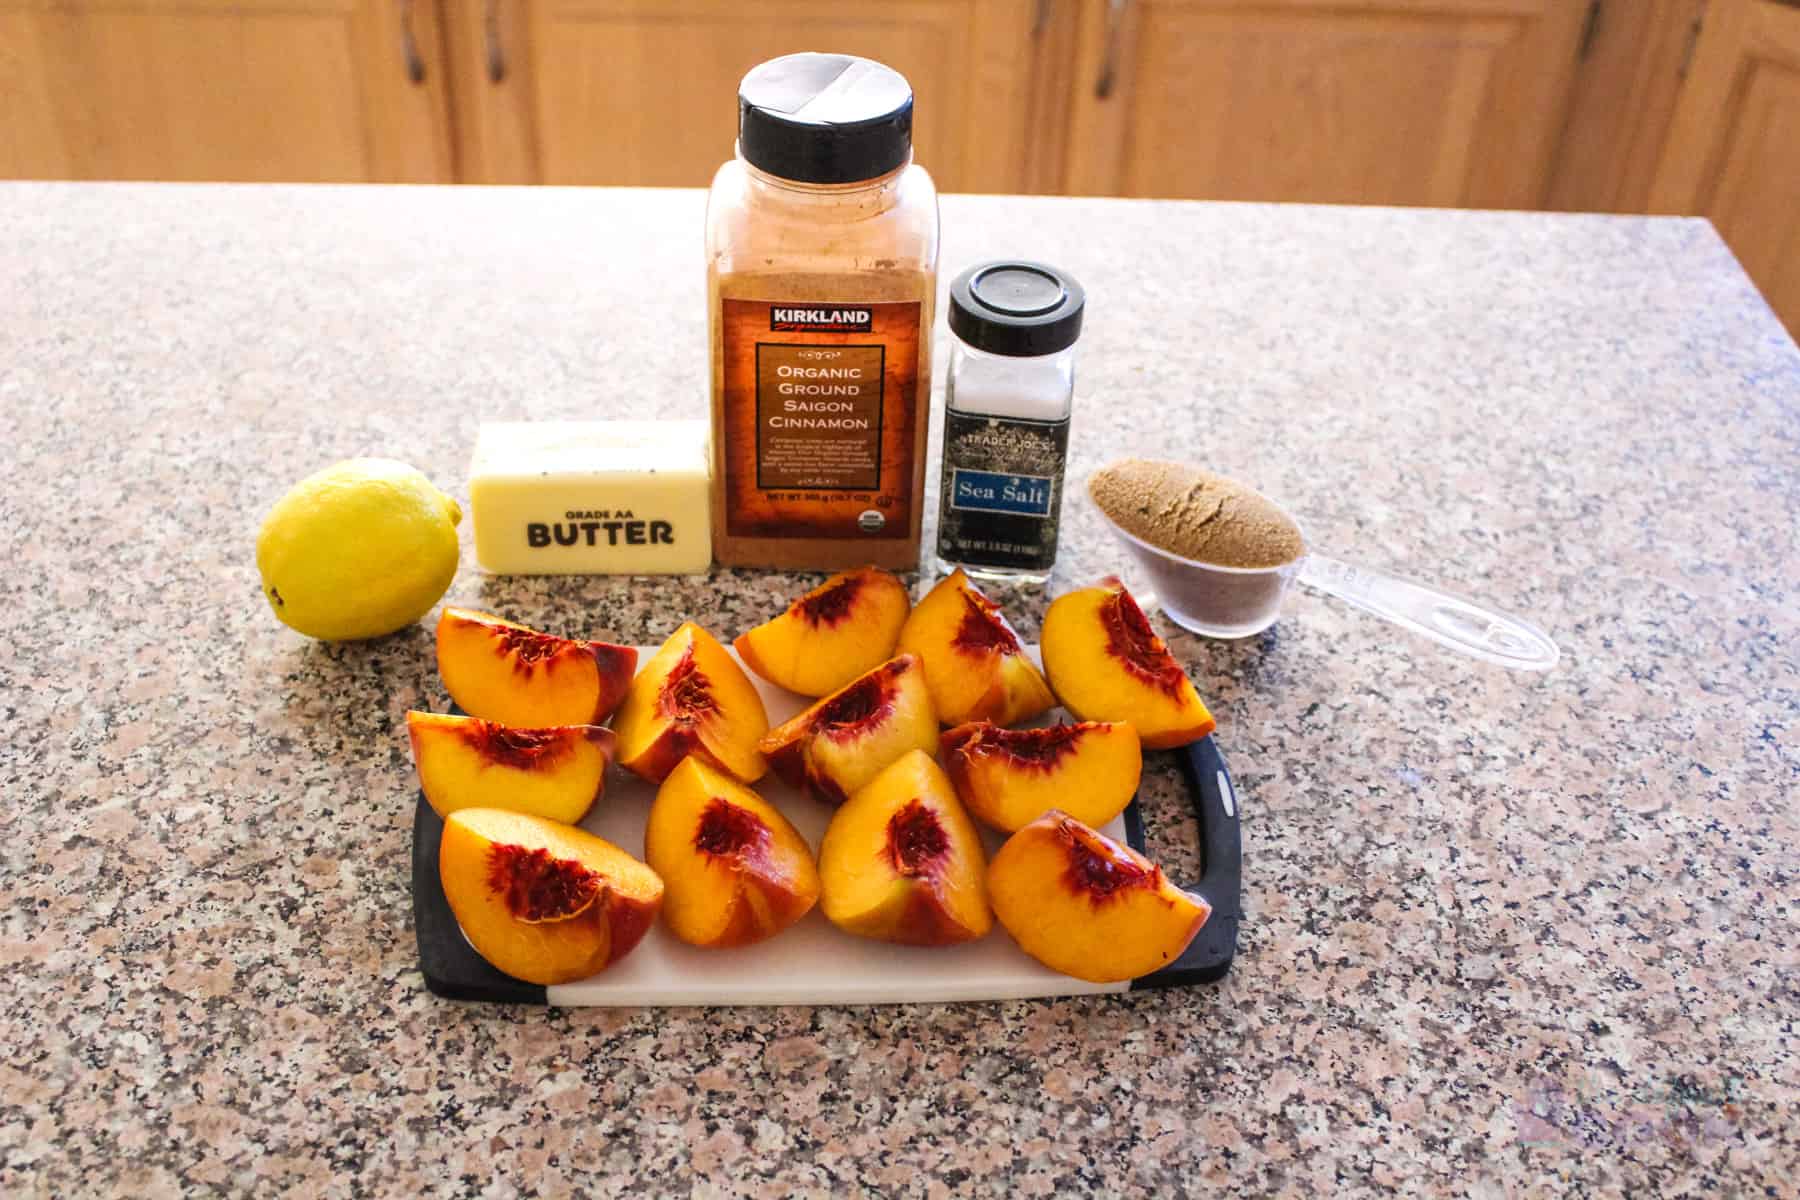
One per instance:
(1019, 309)
(825, 118)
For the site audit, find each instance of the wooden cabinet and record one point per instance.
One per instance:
(1624, 96)
(1443, 102)
(1733, 150)
(223, 89)
(644, 92)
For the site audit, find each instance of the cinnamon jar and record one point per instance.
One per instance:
(821, 251)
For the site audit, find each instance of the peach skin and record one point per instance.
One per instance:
(736, 870)
(1087, 906)
(902, 862)
(974, 665)
(850, 736)
(466, 762)
(692, 698)
(1011, 777)
(543, 902)
(504, 672)
(842, 628)
(1106, 664)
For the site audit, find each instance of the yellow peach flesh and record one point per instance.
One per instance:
(849, 737)
(1106, 663)
(542, 901)
(844, 627)
(902, 862)
(691, 698)
(1011, 777)
(466, 762)
(505, 672)
(736, 870)
(975, 666)
(1087, 906)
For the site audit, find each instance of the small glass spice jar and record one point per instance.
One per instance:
(1007, 406)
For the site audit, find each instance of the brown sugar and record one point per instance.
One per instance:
(1196, 514)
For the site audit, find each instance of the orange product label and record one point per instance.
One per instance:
(820, 409)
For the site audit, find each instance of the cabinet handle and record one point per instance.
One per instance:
(1109, 64)
(409, 44)
(496, 53)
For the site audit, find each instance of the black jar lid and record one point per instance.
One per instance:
(1019, 309)
(825, 118)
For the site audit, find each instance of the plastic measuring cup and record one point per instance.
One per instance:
(1235, 602)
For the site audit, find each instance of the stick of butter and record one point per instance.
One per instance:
(592, 497)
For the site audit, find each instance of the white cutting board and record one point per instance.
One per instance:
(812, 961)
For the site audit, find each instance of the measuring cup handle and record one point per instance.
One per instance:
(1444, 618)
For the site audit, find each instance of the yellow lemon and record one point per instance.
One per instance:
(357, 550)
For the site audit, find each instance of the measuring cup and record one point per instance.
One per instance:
(1235, 602)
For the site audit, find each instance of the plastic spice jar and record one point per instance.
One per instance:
(821, 261)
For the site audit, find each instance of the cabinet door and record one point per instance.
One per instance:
(223, 89)
(1733, 153)
(1622, 103)
(1443, 102)
(644, 92)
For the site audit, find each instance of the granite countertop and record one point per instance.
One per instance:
(1504, 934)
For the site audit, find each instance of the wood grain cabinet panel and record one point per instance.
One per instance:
(309, 90)
(1440, 102)
(1622, 102)
(644, 92)
(1733, 151)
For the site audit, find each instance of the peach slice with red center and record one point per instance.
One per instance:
(504, 672)
(1087, 906)
(542, 901)
(850, 736)
(974, 665)
(692, 698)
(1106, 664)
(737, 871)
(902, 862)
(842, 628)
(1011, 777)
(466, 762)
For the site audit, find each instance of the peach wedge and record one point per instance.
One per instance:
(1106, 664)
(974, 665)
(902, 862)
(1011, 777)
(692, 698)
(544, 902)
(1087, 906)
(737, 871)
(504, 672)
(842, 628)
(847, 738)
(466, 762)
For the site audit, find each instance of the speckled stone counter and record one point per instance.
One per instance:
(1503, 934)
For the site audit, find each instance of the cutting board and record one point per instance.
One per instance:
(813, 962)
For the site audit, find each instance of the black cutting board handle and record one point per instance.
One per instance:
(1209, 955)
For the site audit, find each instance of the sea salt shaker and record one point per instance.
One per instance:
(1008, 399)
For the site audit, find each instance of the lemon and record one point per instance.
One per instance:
(357, 550)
